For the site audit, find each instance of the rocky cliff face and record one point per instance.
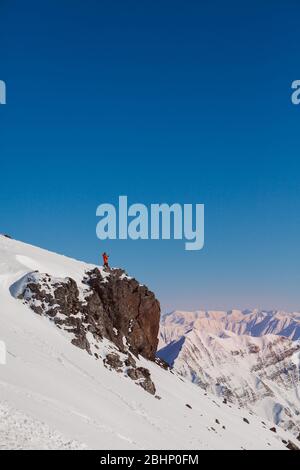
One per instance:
(122, 304)
(107, 305)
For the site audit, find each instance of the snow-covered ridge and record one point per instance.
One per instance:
(71, 400)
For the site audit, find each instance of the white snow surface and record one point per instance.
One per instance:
(55, 396)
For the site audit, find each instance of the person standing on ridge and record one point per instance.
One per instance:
(105, 259)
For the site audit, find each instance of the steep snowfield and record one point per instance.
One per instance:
(21, 432)
(247, 322)
(54, 395)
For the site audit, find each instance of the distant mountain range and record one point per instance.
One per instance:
(250, 358)
(241, 322)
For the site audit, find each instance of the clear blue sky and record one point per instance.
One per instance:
(170, 101)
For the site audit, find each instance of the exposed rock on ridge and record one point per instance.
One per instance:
(107, 305)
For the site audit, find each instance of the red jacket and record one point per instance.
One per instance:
(105, 258)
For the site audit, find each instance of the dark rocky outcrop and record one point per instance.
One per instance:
(113, 360)
(122, 303)
(108, 304)
(142, 375)
(292, 446)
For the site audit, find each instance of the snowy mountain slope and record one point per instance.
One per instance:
(53, 387)
(259, 373)
(247, 322)
(21, 432)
